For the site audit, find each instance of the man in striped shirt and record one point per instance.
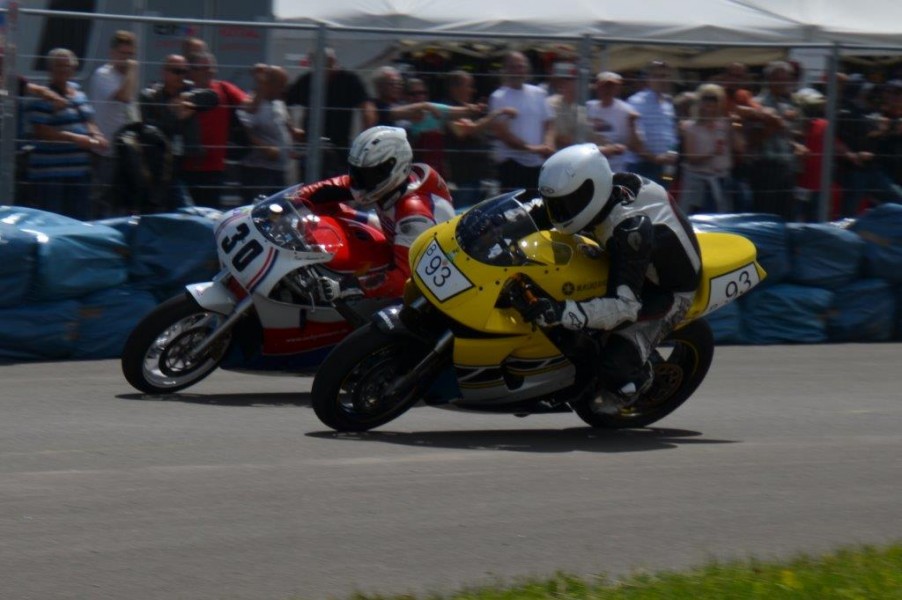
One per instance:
(60, 165)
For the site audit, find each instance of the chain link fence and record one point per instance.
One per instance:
(758, 145)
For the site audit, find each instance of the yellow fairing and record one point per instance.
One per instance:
(729, 270)
(571, 268)
(567, 268)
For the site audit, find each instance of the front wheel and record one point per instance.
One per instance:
(676, 378)
(157, 355)
(351, 388)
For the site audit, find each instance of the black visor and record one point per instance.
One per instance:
(369, 178)
(562, 209)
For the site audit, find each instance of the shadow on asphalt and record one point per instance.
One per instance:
(282, 399)
(583, 439)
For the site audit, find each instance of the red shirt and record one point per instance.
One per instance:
(214, 128)
(810, 176)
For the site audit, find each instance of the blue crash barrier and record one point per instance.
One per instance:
(39, 331)
(786, 313)
(863, 311)
(18, 254)
(106, 318)
(726, 324)
(63, 289)
(881, 228)
(824, 255)
(172, 250)
(71, 258)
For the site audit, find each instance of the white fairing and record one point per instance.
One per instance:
(254, 261)
(213, 296)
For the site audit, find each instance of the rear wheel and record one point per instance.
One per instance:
(351, 388)
(676, 378)
(156, 358)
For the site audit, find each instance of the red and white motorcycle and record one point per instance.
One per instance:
(264, 312)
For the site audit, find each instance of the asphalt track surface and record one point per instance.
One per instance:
(235, 490)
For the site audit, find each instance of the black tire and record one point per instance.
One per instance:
(155, 358)
(676, 379)
(349, 388)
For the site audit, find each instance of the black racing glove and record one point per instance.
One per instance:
(544, 312)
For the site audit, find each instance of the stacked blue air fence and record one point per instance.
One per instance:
(76, 290)
(70, 289)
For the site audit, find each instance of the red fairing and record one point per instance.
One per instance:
(384, 249)
(361, 247)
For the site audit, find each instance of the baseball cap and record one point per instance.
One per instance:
(609, 76)
(808, 97)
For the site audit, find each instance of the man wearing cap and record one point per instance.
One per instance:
(656, 125)
(613, 121)
(524, 141)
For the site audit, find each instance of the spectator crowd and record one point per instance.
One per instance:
(736, 142)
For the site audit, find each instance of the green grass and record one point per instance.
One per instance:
(863, 573)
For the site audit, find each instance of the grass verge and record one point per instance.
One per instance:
(861, 573)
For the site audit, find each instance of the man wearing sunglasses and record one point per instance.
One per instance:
(172, 107)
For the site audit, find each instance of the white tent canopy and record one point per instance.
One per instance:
(737, 21)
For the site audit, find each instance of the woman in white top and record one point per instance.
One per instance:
(709, 142)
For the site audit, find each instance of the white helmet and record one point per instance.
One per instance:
(576, 185)
(379, 162)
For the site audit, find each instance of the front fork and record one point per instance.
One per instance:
(216, 297)
(391, 320)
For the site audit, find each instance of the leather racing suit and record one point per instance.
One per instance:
(655, 267)
(425, 202)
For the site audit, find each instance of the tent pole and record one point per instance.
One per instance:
(582, 82)
(316, 108)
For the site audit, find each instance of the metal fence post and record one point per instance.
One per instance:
(316, 108)
(10, 100)
(826, 183)
(582, 82)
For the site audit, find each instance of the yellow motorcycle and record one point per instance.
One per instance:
(459, 339)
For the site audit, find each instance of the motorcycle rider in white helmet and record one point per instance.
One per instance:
(407, 198)
(655, 262)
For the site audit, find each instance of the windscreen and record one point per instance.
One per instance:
(489, 231)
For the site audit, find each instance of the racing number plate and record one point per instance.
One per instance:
(726, 288)
(439, 274)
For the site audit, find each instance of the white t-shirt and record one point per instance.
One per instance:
(612, 123)
(109, 114)
(533, 111)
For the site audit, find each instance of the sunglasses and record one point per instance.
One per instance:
(176, 71)
(710, 99)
